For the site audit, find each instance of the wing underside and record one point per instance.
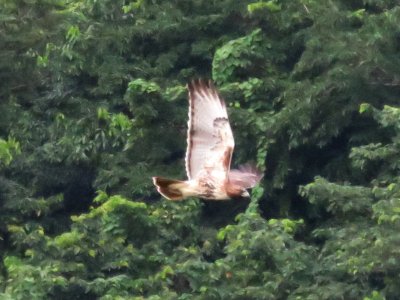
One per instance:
(247, 176)
(210, 139)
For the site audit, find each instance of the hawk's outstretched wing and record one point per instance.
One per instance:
(247, 176)
(210, 139)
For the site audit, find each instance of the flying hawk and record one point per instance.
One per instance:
(209, 151)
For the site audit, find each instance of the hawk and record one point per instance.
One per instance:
(209, 151)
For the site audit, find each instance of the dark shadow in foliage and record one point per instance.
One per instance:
(73, 292)
(75, 182)
(221, 213)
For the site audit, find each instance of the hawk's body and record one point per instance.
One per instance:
(209, 151)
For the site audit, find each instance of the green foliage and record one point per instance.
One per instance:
(271, 6)
(126, 244)
(7, 148)
(360, 237)
(93, 98)
(237, 57)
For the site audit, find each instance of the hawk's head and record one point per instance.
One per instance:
(236, 191)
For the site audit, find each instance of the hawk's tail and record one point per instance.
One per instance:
(171, 189)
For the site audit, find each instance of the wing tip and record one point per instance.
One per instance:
(204, 86)
(201, 83)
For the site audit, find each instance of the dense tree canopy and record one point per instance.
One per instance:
(93, 103)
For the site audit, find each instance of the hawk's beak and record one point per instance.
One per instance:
(245, 194)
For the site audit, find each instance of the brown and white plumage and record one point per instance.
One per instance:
(209, 151)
